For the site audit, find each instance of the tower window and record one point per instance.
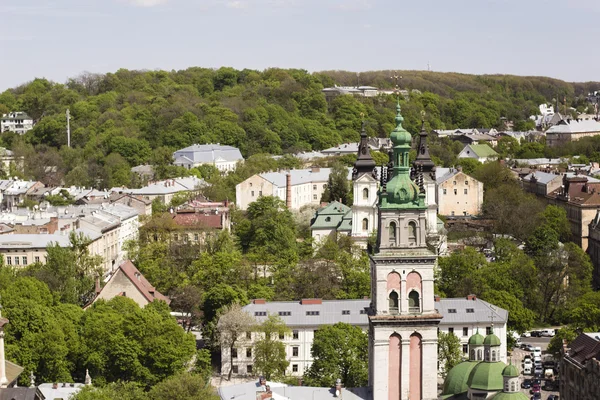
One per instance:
(412, 233)
(393, 302)
(392, 231)
(365, 224)
(414, 304)
(365, 194)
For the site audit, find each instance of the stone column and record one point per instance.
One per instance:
(405, 365)
(403, 296)
(379, 369)
(430, 369)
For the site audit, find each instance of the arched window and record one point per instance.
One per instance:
(412, 233)
(414, 304)
(393, 302)
(365, 194)
(472, 358)
(493, 356)
(479, 355)
(487, 355)
(513, 386)
(365, 224)
(392, 231)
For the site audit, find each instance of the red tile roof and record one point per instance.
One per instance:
(198, 220)
(141, 283)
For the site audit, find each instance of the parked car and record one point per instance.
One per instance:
(549, 332)
(527, 363)
(528, 347)
(538, 371)
(535, 388)
(536, 333)
(527, 370)
(526, 384)
(536, 381)
(553, 397)
(526, 334)
(527, 356)
(536, 396)
(536, 352)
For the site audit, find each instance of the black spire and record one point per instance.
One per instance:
(423, 161)
(364, 162)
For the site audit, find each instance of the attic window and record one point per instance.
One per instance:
(345, 312)
(260, 313)
(313, 313)
(285, 313)
(470, 310)
(452, 310)
(363, 311)
(328, 219)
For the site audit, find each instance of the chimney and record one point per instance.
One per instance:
(305, 302)
(259, 301)
(55, 385)
(472, 297)
(436, 298)
(288, 191)
(338, 388)
(315, 169)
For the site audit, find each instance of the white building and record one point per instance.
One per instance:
(480, 152)
(164, 190)
(306, 187)
(18, 122)
(224, 158)
(458, 194)
(463, 316)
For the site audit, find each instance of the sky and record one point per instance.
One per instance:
(58, 39)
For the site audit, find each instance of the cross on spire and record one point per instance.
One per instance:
(397, 79)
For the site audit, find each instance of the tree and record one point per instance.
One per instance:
(338, 188)
(520, 319)
(449, 351)
(556, 218)
(555, 346)
(184, 386)
(232, 327)
(269, 351)
(118, 390)
(339, 351)
(459, 275)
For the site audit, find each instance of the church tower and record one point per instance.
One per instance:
(403, 320)
(364, 188)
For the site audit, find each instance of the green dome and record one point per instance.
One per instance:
(487, 376)
(509, 396)
(510, 370)
(491, 340)
(477, 339)
(400, 136)
(456, 380)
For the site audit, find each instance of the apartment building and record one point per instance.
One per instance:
(17, 122)
(458, 194)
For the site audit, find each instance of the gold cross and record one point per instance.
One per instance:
(397, 78)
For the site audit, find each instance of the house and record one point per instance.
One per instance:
(141, 205)
(570, 131)
(458, 194)
(262, 389)
(17, 122)
(129, 282)
(306, 186)
(145, 172)
(330, 220)
(463, 316)
(363, 91)
(541, 183)
(580, 368)
(164, 190)
(224, 158)
(476, 138)
(540, 163)
(345, 148)
(480, 152)
(195, 219)
(17, 192)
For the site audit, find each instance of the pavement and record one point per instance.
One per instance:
(517, 360)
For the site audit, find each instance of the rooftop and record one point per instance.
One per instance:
(207, 153)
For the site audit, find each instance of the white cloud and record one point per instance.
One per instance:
(147, 3)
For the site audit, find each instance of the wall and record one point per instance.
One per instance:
(118, 284)
(251, 189)
(460, 204)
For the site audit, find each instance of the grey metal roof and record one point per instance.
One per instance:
(574, 126)
(248, 391)
(540, 161)
(443, 174)
(63, 391)
(32, 241)
(542, 177)
(330, 311)
(208, 153)
(300, 176)
(346, 148)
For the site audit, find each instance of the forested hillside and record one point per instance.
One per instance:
(128, 118)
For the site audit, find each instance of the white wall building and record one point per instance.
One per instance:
(224, 158)
(18, 122)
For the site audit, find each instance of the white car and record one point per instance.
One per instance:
(536, 352)
(526, 334)
(527, 363)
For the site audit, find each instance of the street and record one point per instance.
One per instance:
(517, 360)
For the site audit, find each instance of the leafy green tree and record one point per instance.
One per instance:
(339, 351)
(269, 351)
(184, 386)
(520, 319)
(556, 343)
(338, 187)
(117, 390)
(459, 274)
(449, 351)
(556, 218)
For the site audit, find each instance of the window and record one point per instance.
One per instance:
(324, 185)
(414, 303)
(16, 260)
(314, 197)
(393, 302)
(295, 351)
(312, 313)
(450, 330)
(327, 219)
(365, 194)
(465, 331)
(9, 260)
(249, 352)
(392, 231)
(295, 335)
(248, 369)
(412, 233)
(345, 312)
(260, 313)
(234, 353)
(260, 193)
(281, 335)
(467, 183)
(314, 187)
(294, 367)
(24, 260)
(470, 310)
(285, 313)
(455, 191)
(465, 349)
(36, 259)
(466, 191)
(488, 330)
(186, 238)
(452, 311)
(444, 191)
(248, 335)
(252, 193)
(454, 182)
(363, 311)
(452, 213)
(365, 224)
(234, 369)
(250, 184)
(175, 237)
(196, 237)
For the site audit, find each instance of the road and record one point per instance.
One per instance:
(517, 360)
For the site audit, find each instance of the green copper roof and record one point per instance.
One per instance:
(492, 340)
(487, 376)
(483, 150)
(330, 216)
(401, 192)
(346, 224)
(509, 396)
(456, 380)
(510, 371)
(477, 339)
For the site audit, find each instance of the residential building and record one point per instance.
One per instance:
(594, 249)
(141, 205)
(476, 138)
(329, 221)
(224, 158)
(308, 158)
(463, 316)
(165, 190)
(17, 191)
(458, 194)
(17, 122)
(345, 148)
(195, 220)
(363, 91)
(541, 183)
(145, 172)
(23, 249)
(523, 137)
(128, 281)
(453, 133)
(540, 163)
(6, 158)
(580, 368)
(570, 131)
(306, 186)
(480, 152)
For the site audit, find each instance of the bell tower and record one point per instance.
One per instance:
(403, 320)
